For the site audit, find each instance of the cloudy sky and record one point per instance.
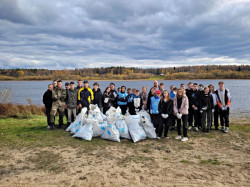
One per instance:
(142, 33)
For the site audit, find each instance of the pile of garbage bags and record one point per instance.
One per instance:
(112, 125)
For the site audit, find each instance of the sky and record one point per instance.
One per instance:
(62, 34)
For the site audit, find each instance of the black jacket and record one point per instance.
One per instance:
(97, 97)
(166, 107)
(113, 98)
(108, 104)
(47, 99)
(189, 95)
(149, 100)
(195, 98)
(206, 100)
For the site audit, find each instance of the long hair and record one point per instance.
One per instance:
(106, 89)
(162, 96)
(183, 92)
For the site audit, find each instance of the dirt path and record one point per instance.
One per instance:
(214, 160)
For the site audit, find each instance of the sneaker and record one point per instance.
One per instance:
(178, 137)
(226, 130)
(196, 129)
(223, 128)
(190, 128)
(166, 137)
(158, 137)
(50, 127)
(184, 139)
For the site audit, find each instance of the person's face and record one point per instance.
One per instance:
(221, 86)
(55, 84)
(86, 85)
(180, 92)
(165, 94)
(195, 87)
(59, 84)
(162, 87)
(50, 87)
(171, 88)
(144, 89)
(211, 88)
(123, 89)
(108, 90)
(79, 83)
(119, 89)
(67, 87)
(153, 91)
(155, 83)
(112, 87)
(134, 91)
(158, 94)
(137, 93)
(96, 87)
(129, 91)
(72, 86)
(206, 90)
(183, 86)
(190, 86)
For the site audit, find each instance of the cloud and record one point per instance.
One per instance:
(78, 34)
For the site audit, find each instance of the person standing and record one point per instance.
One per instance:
(131, 107)
(85, 96)
(215, 111)
(71, 103)
(224, 101)
(162, 87)
(144, 97)
(122, 100)
(154, 110)
(79, 84)
(181, 111)
(206, 106)
(54, 83)
(156, 85)
(189, 92)
(47, 101)
(97, 95)
(106, 103)
(195, 104)
(67, 87)
(59, 97)
(113, 96)
(166, 107)
(137, 101)
(172, 92)
(151, 93)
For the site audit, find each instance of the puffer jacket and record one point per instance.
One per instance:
(85, 97)
(184, 106)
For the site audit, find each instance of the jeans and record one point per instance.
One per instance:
(70, 113)
(206, 119)
(184, 120)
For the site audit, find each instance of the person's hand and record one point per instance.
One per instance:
(213, 110)
(193, 107)
(204, 108)
(66, 106)
(166, 116)
(163, 115)
(201, 111)
(79, 106)
(150, 111)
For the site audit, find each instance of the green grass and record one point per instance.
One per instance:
(186, 162)
(214, 161)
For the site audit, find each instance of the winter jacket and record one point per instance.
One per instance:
(71, 99)
(108, 104)
(172, 95)
(149, 100)
(206, 100)
(113, 98)
(184, 106)
(97, 97)
(195, 98)
(154, 106)
(166, 107)
(189, 94)
(47, 99)
(227, 98)
(85, 97)
(122, 98)
(59, 95)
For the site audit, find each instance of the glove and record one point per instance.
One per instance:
(106, 100)
(114, 94)
(137, 110)
(201, 111)
(204, 108)
(195, 108)
(179, 115)
(163, 115)
(213, 110)
(166, 116)
(224, 108)
(150, 111)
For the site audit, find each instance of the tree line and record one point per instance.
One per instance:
(130, 73)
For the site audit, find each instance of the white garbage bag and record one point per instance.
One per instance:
(99, 128)
(97, 115)
(137, 102)
(75, 126)
(113, 115)
(122, 128)
(111, 133)
(135, 128)
(147, 124)
(104, 117)
(85, 132)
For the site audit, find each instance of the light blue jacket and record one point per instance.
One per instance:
(122, 98)
(154, 106)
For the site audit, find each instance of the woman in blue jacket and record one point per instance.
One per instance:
(122, 100)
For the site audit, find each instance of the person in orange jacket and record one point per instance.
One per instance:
(224, 101)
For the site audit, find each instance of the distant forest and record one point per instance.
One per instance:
(125, 73)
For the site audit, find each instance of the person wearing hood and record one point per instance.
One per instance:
(122, 100)
(154, 110)
(130, 99)
(224, 102)
(47, 101)
(106, 102)
(181, 111)
(97, 95)
(206, 107)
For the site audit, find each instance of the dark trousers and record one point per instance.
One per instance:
(190, 116)
(206, 119)
(156, 121)
(123, 109)
(196, 118)
(66, 114)
(224, 117)
(131, 110)
(105, 109)
(184, 120)
(199, 118)
(166, 123)
(47, 112)
(215, 116)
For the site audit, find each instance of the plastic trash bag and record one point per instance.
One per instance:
(104, 117)
(111, 133)
(122, 128)
(135, 128)
(75, 126)
(99, 128)
(85, 132)
(137, 102)
(147, 124)
(113, 115)
(97, 115)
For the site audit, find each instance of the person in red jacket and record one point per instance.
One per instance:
(224, 101)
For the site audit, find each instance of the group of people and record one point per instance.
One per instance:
(197, 107)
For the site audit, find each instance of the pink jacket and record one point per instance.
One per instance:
(184, 105)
